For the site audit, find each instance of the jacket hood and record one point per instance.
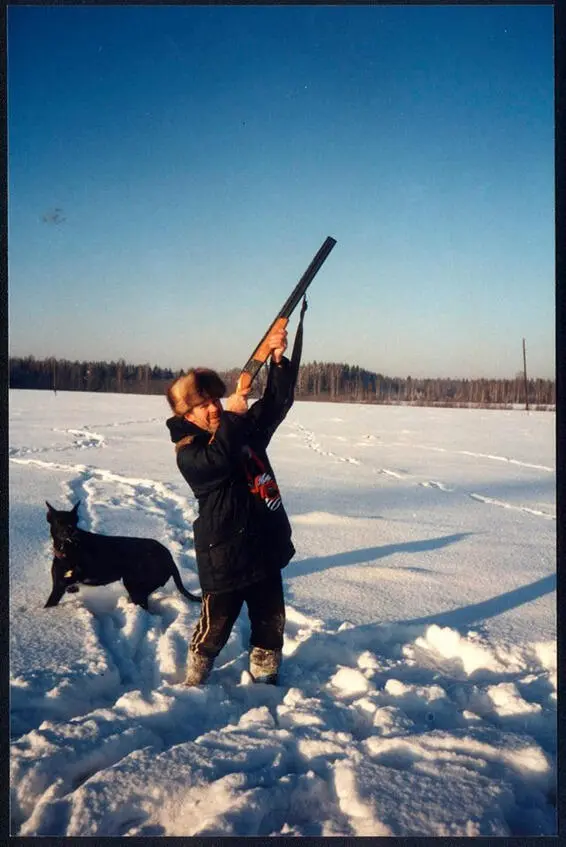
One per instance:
(180, 427)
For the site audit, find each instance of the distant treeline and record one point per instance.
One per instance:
(316, 381)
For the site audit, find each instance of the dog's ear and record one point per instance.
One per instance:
(49, 510)
(75, 508)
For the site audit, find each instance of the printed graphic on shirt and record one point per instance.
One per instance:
(260, 481)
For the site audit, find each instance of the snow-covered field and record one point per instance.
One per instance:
(418, 690)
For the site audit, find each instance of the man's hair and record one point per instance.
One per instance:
(194, 387)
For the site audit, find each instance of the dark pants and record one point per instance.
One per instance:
(266, 611)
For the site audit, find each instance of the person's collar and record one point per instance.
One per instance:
(180, 427)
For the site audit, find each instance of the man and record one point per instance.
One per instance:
(242, 535)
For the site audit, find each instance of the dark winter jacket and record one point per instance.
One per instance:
(242, 533)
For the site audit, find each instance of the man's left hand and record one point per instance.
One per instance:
(277, 341)
(237, 402)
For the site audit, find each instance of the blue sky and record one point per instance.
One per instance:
(198, 157)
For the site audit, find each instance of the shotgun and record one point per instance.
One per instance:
(261, 352)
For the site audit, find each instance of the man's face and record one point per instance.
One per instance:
(206, 415)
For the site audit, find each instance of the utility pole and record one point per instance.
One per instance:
(526, 383)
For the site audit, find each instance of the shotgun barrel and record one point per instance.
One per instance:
(307, 278)
(260, 354)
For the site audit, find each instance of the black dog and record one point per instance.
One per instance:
(142, 564)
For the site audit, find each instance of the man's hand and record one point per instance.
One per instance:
(277, 342)
(238, 402)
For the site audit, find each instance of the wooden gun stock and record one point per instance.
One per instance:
(262, 351)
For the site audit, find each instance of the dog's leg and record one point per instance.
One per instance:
(55, 596)
(136, 596)
(59, 585)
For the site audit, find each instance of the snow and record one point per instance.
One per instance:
(418, 687)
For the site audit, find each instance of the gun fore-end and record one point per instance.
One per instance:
(259, 357)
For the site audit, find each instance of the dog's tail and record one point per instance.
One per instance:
(177, 580)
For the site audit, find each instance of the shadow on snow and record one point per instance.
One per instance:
(370, 554)
(476, 612)
(460, 619)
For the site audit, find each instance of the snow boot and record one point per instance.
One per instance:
(198, 668)
(264, 665)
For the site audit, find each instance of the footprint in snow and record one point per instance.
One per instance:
(432, 484)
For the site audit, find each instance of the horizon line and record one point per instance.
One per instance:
(304, 364)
